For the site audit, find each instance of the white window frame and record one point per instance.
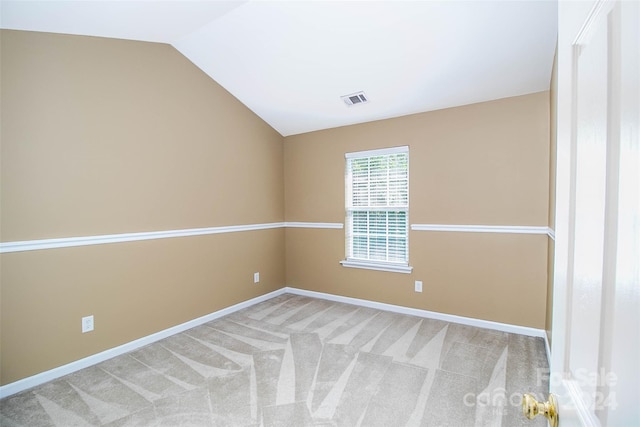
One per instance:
(392, 266)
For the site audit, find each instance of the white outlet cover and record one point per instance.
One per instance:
(256, 277)
(418, 286)
(87, 324)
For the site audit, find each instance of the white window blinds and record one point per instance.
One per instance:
(377, 205)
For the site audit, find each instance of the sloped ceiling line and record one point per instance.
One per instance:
(290, 61)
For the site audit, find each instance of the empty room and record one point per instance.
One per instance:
(319, 213)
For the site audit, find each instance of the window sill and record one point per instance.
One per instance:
(394, 268)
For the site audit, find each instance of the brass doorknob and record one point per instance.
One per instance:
(531, 407)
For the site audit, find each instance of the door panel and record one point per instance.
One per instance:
(589, 215)
(596, 313)
(623, 356)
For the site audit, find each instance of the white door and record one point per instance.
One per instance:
(595, 366)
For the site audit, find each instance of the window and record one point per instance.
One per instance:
(377, 208)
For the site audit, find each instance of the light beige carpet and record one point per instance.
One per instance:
(298, 361)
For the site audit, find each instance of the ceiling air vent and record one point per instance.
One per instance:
(355, 98)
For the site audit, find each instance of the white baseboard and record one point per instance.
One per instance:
(487, 324)
(52, 374)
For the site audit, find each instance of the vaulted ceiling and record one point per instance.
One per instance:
(291, 61)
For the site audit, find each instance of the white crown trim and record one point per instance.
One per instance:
(334, 225)
(65, 242)
(512, 229)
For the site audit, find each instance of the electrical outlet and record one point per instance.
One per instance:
(87, 324)
(418, 285)
(256, 277)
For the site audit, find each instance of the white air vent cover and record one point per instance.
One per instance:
(355, 98)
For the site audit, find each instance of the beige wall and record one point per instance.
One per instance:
(109, 136)
(104, 136)
(482, 164)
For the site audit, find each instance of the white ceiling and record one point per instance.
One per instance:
(290, 61)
